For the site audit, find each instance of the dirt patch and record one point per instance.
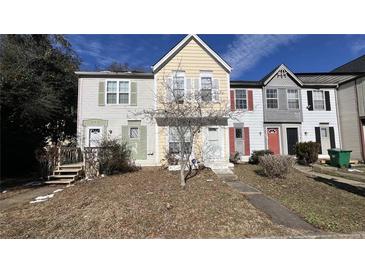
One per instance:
(322, 205)
(144, 204)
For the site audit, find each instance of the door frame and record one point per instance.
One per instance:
(220, 141)
(285, 139)
(267, 139)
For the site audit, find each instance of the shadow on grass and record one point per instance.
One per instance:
(353, 189)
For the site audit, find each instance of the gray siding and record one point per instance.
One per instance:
(349, 121)
(282, 114)
(360, 86)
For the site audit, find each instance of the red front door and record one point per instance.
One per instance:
(273, 140)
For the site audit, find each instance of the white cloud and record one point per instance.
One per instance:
(248, 49)
(358, 46)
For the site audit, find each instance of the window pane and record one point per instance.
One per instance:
(318, 104)
(271, 93)
(272, 103)
(206, 95)
(206, 83)
(178, 82)
(111, 98)
(318, 95)
(293, 104)
(292, 94)
(111, 86)
(240, 94)
(241, 103)
(123, 98)
(123, 86)
(239, 133)
(134, 133)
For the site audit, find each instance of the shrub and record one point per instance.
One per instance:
(234, 157)
(307, 152)
(114, 157)
(276, 166)
(256, 154)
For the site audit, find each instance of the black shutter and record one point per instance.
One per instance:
(310, 100)
(327, 98)
(318, 138)
(332, 137)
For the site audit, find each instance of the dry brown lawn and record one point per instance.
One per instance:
(144, 204)
(323, 205)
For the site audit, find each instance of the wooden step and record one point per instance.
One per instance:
(76, 170)
(62, 181)
(65, 176)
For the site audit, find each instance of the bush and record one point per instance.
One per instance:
(234, 157)
(276, 166)
(114, 157)
(307, 152)
(256, 154)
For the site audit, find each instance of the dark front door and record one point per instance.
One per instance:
(292, 139)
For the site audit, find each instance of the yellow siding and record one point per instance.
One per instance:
(192, 59)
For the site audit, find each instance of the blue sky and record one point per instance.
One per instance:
(251, 56)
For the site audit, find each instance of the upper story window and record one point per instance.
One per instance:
(241, 99)
(178, 86)
(293, 98)
(206, 86)
(272, 98)
(117, 92)
(318, 100)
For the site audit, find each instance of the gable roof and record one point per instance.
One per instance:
(267, 78)
(356, 65)
(182, 44)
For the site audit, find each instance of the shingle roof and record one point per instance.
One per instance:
(245, 84)
(356, 65)
(331, 79)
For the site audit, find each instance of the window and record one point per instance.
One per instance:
(117, 92)
(206, 88)
(318, 100)
(178, 86)
(293, 98)
(323, 132)
(134, 133)
(111, 92)
(271, 98)
(241, 99)
(174, 141)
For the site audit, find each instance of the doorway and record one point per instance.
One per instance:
(292, 139)
(273, 141)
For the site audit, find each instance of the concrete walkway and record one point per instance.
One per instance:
(343, 183)
(279, 214)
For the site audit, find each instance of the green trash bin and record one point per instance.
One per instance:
(339, 157)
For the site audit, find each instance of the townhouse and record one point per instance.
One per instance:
(274, 113)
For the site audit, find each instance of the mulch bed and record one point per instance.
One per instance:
(144, 204)
(322, 205)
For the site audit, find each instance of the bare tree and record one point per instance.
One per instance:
(186, 107)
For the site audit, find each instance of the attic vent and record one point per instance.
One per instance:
(281, 73)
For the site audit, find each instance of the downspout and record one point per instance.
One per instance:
(338, 117)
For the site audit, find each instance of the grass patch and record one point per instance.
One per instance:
(326, 207)
(145, 204)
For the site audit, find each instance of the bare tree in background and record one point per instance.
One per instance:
(186, 107)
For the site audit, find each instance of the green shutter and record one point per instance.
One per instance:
(142, 144)
(101, 94)
(133, 93)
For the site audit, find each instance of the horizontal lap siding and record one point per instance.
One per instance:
(312, 119)
(117, 115)
(349, 120)
(254, 120)
(192, 59)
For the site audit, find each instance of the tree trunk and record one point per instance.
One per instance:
(182, 174)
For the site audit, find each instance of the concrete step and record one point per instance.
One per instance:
(68, 170)
(71, 166)
(65, 176)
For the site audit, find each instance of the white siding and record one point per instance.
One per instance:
(254, 120)
(312, 119)
(117, 115)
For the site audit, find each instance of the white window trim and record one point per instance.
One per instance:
(324, 100)
(88, 134)
(287, 99)
(118, 80)
(277, 97)
(176, 73)
(235, 99)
